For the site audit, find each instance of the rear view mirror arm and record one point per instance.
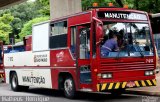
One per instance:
(98, 20)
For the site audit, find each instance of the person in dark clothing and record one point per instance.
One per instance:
(109, 46)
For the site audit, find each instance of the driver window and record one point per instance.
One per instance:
(84, 46)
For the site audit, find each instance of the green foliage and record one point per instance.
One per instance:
(44, 7)
(101, 3)
(5, 27)
(151, 6)
(27, 29)
(25, 12)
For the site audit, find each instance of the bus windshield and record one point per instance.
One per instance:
(126, 40)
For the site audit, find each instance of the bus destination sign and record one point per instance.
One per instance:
(122, 15)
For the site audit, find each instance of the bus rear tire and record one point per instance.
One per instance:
(14, 82)
(69, 88)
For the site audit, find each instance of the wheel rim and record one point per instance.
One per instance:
(68, 86)
(14, 81)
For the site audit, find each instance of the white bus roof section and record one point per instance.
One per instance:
(155, 15)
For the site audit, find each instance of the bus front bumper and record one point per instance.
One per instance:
(123, 85)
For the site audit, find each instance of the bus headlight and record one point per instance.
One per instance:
(147, 73)
(106, 75)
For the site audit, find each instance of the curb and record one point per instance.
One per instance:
(142, 92)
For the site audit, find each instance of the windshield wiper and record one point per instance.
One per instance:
(118, 55)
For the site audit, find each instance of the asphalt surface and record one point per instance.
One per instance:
(48, 95)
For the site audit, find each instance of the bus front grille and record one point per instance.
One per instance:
(120, 66)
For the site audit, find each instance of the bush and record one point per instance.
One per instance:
(27, 29)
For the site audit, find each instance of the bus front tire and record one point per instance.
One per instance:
(69, 88)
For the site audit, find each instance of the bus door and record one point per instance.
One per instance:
(83, 52)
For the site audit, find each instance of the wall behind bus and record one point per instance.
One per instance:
(59, 8)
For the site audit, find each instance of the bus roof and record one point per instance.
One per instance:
(100, 9)
(155, 15)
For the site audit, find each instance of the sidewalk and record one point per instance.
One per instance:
(154, 90)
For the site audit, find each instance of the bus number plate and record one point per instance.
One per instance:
(130, 84)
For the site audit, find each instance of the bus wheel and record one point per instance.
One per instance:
(14, 82)
(69, 88)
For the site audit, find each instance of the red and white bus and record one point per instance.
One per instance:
(66, 53)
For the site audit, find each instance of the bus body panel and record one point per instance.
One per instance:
(28, 76)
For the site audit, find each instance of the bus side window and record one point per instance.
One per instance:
(58, 37)
(73, 41)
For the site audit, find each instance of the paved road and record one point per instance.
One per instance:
(47, 95)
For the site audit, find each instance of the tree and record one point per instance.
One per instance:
(88, 3)
(44, 7)
(119, 3)
(27, 29)
(5, 27)
(25, 12)
(151, 6)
